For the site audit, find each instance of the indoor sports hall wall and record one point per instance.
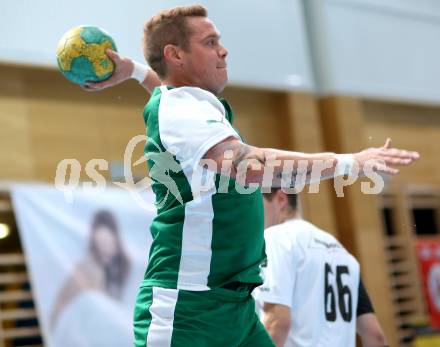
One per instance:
(410, 125)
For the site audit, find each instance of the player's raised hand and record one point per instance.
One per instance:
(123, 70)
(384, 159)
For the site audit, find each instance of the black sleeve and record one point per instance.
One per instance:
(364, 304)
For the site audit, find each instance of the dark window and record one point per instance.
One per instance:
(425, 222)
(387, 215)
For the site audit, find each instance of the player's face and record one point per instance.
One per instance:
(205, 61)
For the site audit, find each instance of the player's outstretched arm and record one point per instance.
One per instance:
(125, 69)
(266, 166)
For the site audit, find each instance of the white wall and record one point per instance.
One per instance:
(376, 47)
(266, 39)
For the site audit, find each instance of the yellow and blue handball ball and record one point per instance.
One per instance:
(81, 54)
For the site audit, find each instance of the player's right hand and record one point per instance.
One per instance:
(123, 70)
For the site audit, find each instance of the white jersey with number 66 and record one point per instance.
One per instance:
(309, 271)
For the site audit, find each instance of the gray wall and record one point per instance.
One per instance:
(371, 48)
(265, 39)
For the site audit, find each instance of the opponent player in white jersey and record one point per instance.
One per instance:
(312, 295)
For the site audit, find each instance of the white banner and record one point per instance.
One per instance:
(86, 260)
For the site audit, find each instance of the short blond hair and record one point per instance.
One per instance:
(168, 27)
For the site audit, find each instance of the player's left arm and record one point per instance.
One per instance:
(367, 324)
(370, 331)
(276, 320)
(125, 69)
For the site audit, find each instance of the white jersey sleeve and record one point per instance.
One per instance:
(191, 121)
(279, 272)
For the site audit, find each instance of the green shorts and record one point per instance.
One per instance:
(180, 318)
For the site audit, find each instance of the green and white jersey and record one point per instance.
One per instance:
(207, 232)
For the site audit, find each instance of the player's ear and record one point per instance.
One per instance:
(281, 198)
(172, 54)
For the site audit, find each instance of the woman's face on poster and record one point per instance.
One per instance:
(106, 244)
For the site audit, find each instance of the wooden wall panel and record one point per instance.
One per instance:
(16, 160)
(260, 116)
(415, 127)
(44, 119)
(80, 131)
(51, 119)
(306, 136)
(357, 214)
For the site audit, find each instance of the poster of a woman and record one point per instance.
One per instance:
(104, 268)
(86, 260)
